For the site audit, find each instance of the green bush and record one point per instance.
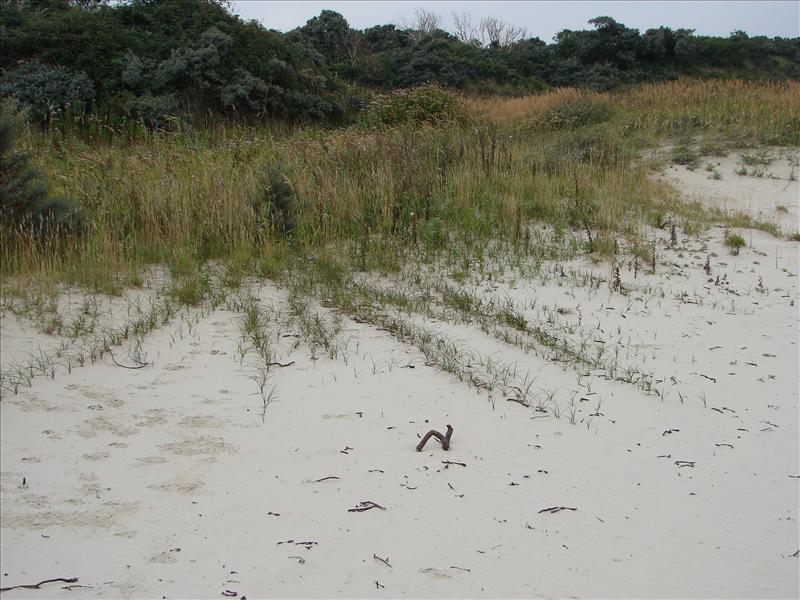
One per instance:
(47, 91)
(21, 187)
(573, 113)
(156, 112)
(24, 198)
(274, 203)
(424, 104)
(684, 155)
(735, 242)
(597, 145)
(433, 233)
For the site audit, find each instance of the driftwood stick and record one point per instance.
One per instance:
(36, 586)
(139, 366)
(365, 505)
(277, 364)
(555, 509)
(383, 560)
(444, 439)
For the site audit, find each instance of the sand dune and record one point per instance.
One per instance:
(175, 479)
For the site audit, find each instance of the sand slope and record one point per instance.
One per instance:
(767, 192)
(167, 481)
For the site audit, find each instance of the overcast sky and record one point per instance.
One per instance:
(544, 19)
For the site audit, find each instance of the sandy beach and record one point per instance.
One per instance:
(162, 470)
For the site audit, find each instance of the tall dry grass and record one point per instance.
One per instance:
(754, 111)
(186, 197)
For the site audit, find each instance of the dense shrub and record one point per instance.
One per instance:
(598, 145)
(21, 187)
(573, 113)
(433, 233)
(48, 91)
(156, 112)
(424, 104)
(734, 242)
(274, 203)
(60, 54)
(24, 199)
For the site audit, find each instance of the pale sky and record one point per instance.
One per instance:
(545, 18)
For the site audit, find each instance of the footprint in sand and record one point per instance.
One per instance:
(437, 573)
(94, 456)
(102, 517)
(178, 486)
(201, 421)
(199, 445)
(166, 558)
(151, 418)
(92, 427)
(153, 460)
(106, 398)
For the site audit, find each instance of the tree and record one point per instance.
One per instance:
(495, 33)
(465, 31)
(425, 23)
(489, 32)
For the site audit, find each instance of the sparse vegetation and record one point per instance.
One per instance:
(297, 253)
(428, 177)
(735, 242)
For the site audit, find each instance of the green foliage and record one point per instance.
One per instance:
(157, 112)
(275, 203)
(155, 55)
(684, 155)
(24, 199)
(194, 59)
(735, 242)
(192, 288)
(21, 187)
(423, 104)
(48, 91)
(433, 233)
(596, 145)
(573, 113)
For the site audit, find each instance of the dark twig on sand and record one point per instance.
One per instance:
(366, 505)
(518, 401)
(383, 560)
(555, 509)
(444, 439)
(139, 366)
(36, 586)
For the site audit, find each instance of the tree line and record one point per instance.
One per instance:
(157, 61)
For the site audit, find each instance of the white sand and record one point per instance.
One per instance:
(768, 193)
(164, 481)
